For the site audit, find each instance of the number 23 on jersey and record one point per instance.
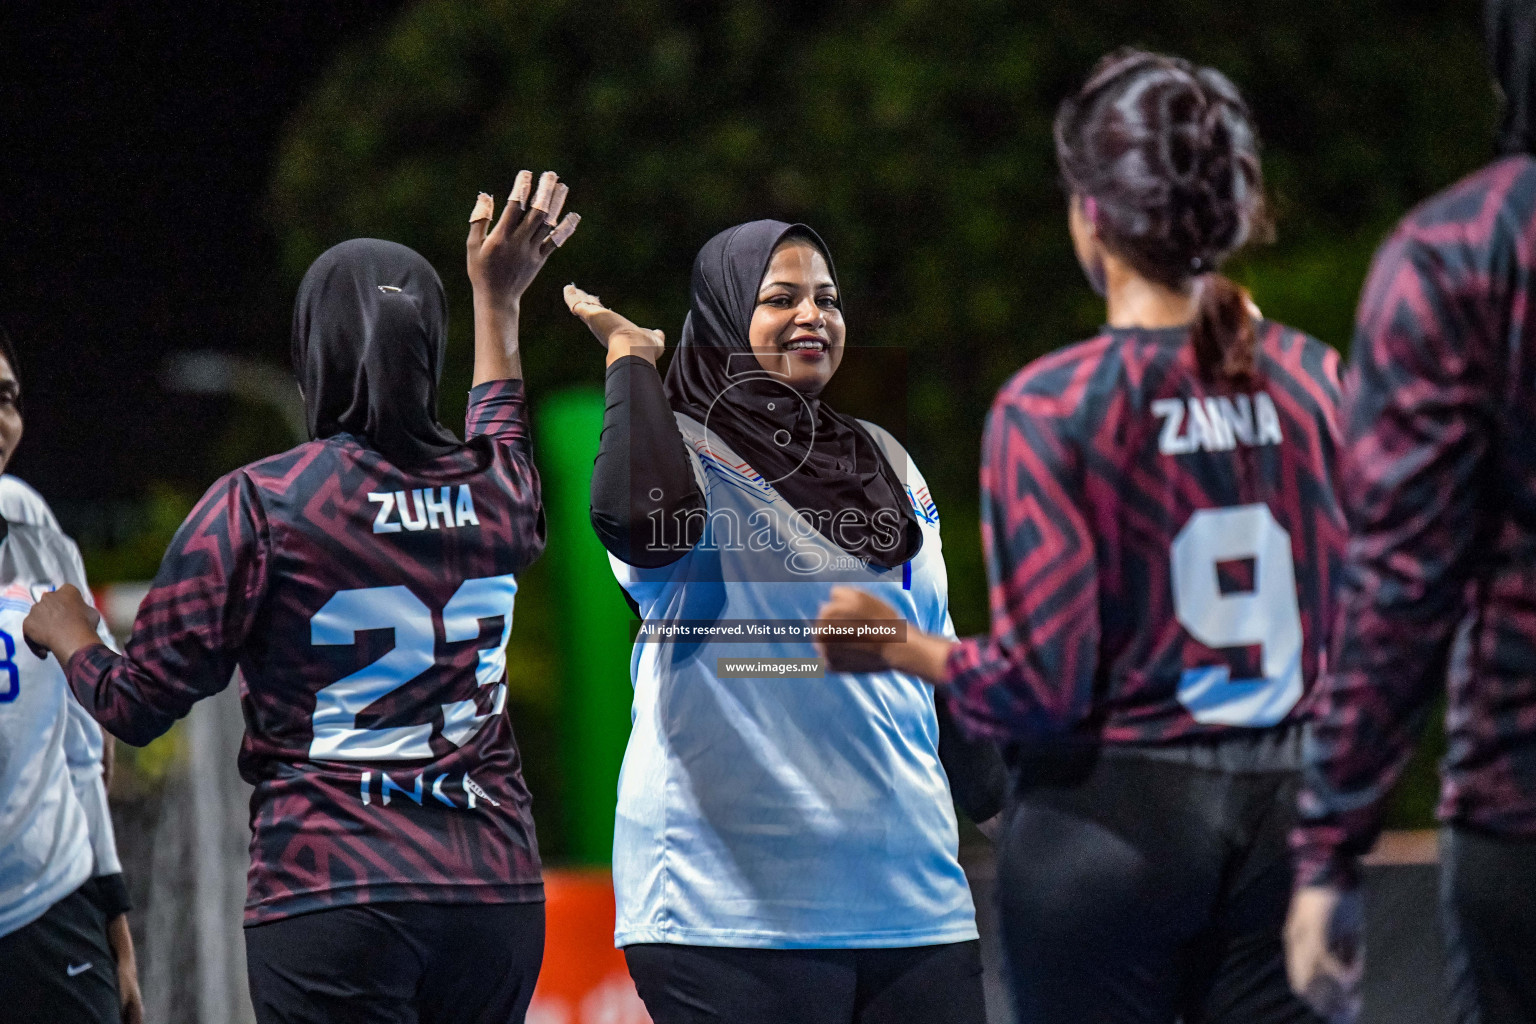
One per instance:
(337, 736)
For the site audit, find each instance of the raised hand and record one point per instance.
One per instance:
(504, 258)
(615, 333)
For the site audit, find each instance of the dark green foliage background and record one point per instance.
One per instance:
(914, 135)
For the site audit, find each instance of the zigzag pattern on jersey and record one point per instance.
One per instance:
(1440, 479)
(1079, 513)
(264, 550)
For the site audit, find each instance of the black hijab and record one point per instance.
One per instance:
(819, 460)
(8, 350)
(1510, 30)
(369, 330)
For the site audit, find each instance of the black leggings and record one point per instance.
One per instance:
(397, 963)
(1137, 891)
(720, 985)
(1488, 897)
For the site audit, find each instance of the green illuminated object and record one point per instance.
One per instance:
(592, 624)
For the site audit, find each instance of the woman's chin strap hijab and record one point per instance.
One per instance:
(820, 461)
(1510, 29)
(369, 331)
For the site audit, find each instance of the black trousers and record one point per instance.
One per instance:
(1488, 902)
(719, 985)
(397, 963)
(1138, 891)
(59, 969)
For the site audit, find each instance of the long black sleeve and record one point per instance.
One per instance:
(978, 778)
(647, 508)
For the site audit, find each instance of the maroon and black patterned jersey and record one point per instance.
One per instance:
(367, 608)
(1161, 551)
(1439, 483)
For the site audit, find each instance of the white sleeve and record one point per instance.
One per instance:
(20, 503)
(83, 749)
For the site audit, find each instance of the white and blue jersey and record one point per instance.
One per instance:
(782, 812)
(21, 503)
(55, 830)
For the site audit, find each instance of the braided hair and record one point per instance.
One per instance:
(1167, 154)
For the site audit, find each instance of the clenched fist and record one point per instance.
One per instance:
(61, 622)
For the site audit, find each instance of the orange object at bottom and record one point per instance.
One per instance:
(584, 980)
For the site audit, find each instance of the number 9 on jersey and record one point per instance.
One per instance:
(1268, 616)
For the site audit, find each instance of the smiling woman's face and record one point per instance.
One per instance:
(10, 414)
(797, 328)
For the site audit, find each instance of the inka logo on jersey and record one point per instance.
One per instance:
(1216, 424)
(421, 510)
(418, 791)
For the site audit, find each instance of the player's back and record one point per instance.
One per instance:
(1442, 484)
(378, 682)
(1211, 514)
(368, 607)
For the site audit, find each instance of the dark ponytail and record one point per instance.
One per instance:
(1168, 155)
(1222, 334)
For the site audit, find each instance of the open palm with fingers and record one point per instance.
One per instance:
(506, 256)
(616, 333)
(503, 257)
